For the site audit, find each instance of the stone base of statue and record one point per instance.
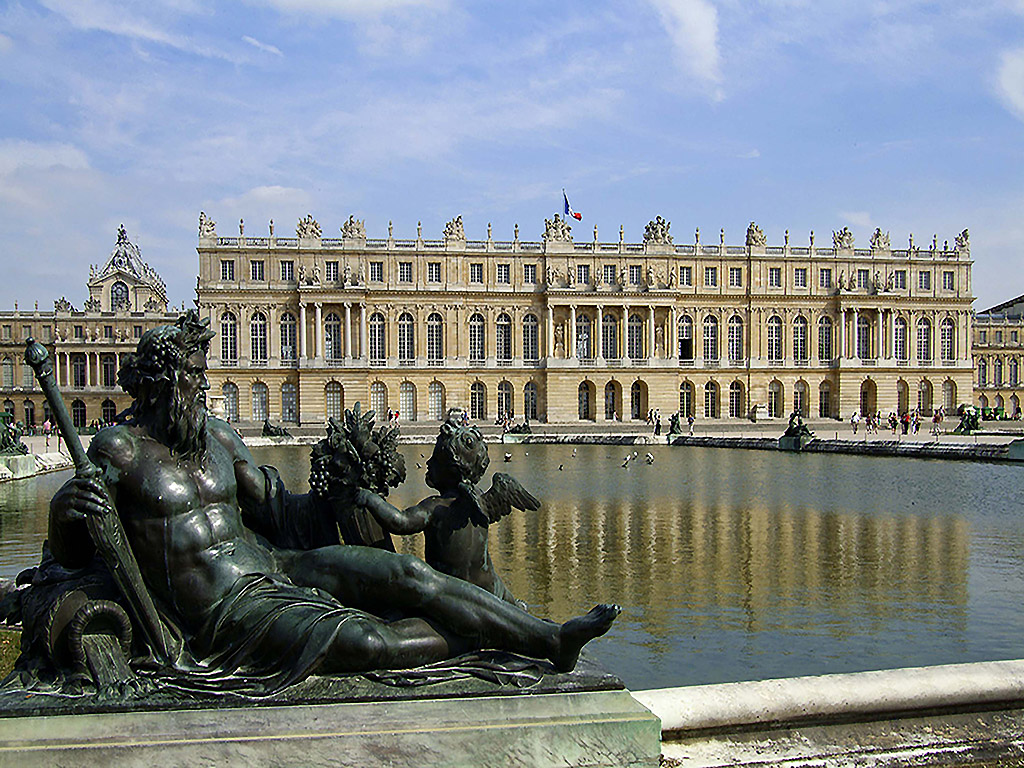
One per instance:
(1015, 450)
(23, 465)
(585, 718)
(794, 442)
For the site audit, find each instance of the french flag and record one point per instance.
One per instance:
(568, 208)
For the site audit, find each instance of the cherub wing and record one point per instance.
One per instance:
(505, 494)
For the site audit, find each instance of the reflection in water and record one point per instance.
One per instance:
(736, 565)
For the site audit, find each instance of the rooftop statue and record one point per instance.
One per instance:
(207, 226)
(232, 582)
(454, 230)
(842, 239)
(354, 229)
(557, 230)
(880, 240)
(962, 242)
(656, 232)
(308, 228)
(755, 236)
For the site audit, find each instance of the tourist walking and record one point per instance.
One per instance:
(855, 421)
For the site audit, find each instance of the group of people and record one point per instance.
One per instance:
(907, 423)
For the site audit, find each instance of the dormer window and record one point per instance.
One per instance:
(119, 296)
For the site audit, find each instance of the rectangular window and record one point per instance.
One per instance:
(331, 271)
(711, 277)
(924, 280)
(608, 274)
(5, 334)
(256, 270)
(287, 271)
(863, 278)
(774, 277)
(984, 337)
(377, 271)
(79, 332)
(108, 331)
(1013, 336)
(948, 280)
(476, 272)
(636, 274)
(137, 331)
(800, 277)
(433, 271)
(825, 277)
(227, 269)
(999, 337)
(47, 333)
(899, 280)
(686, 275)
(405, 271)
(504, 275)
(26, 331)
(735, 277)
(583, 274)
(530, 274)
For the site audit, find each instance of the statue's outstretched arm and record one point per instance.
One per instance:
(407, 521)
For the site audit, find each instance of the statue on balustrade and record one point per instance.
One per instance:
(238, 584)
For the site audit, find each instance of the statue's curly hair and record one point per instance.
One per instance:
(460, 454)
(162, 351)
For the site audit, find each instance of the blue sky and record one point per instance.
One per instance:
(799, 114)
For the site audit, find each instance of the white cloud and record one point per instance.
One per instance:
(349, 9)
(692, 26)
(1010, 81)
(858, 218)
(16, 154)
(751, 155)
(258, 205)
(6, 43)
(262, 46)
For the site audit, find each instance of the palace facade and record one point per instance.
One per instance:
(561, 329)
(126, 298)
(998, 356)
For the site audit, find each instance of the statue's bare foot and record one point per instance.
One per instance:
(576, 633)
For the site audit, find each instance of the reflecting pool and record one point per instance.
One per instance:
(731, 565)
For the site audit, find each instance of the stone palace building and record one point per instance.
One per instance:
(998, 356)
(564, 329)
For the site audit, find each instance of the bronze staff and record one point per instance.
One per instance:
(106, 529)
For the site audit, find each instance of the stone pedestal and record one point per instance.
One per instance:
(19, 465)
(794, 442)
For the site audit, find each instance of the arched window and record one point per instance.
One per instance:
(948, 396)
(584, 406)
(635, 337)
(611, 401)
(609, 337)
(378, 339)
(825, 400)
(406, 340)
(230, 393)
(109, 366)
(260, 404)
(825, 353)
(258, 339)
(899, 340)
(801, 398)
(584, 337)
(78, 414)
(477, 400)
(711, 400)
(108, 411)
(119, 297)
(1014, 372)
(435, 400)
(685, 329)
(710, 339)
(530, 401)
(531, 338)
(503, 339)
(775, 339)
(924, 340)
(407, 400)
(30, 412)
(228, 339)
(775, 399)
(334, 400)
(735, 340)
(947, 340)
(902, 396)
(477, 342)
(7, 367)
(379, 400)
(924, 397)
(289, 350)
(736, 409)
(997, 372)
(686, 399)
(334, 344)
(863, 338)
(638, 400)
(289, 403)
(435, 339)
(982, 372)
(800, 340)
(9, 406)
(505, 399)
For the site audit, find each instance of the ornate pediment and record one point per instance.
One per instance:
(656, 232)
(308, 228)
(755, 236)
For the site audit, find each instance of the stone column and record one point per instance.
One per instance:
(99, 372)
(88, 370)
(935, 340)
(672, 337)
(842, 333)
(348, 331)
(302, 330)
(856, 333)
(571, 335)
(364, 340)
(892, 334)
(550, 334)
(599, 352)
(319, 331)
(67, 370)
(650, 334)
(623, 347)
